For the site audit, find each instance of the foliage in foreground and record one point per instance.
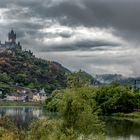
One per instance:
(79, 108)
(109, 99)
(44, 129)
(78, 121)
(79, 112)
(116, 98)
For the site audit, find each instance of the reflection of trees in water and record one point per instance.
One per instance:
(2, 113)
(22, 116)
(121, 127)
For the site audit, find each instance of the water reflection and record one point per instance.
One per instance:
(116, 128)
(22, 116)
(122, 129)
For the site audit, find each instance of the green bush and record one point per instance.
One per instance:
(114, 99)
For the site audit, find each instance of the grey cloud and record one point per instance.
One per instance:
(82, 45)
(65, 34)
(97, 64)
(121, 15)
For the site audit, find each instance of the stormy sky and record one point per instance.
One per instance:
(98, 36)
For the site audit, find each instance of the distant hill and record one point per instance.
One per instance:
(109, 78)
(23, 68)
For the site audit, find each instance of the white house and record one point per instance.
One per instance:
(41, 96)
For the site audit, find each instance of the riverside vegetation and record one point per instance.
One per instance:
(7, 103)
(80, 106)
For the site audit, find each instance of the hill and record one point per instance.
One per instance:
(109, 78)
(22, 68)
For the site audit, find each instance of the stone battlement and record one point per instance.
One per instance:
(11, 43)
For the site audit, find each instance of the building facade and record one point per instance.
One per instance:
(11, 43)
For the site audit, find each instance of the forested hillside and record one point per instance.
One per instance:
(24, 69)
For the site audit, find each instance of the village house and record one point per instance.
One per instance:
(26, 94)
(17, 97)
(40, 96)
(25, 91)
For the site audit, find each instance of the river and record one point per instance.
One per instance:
(116, 128)
(122, 128)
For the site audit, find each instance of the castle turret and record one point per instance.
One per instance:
(12, 37)
(11, 43)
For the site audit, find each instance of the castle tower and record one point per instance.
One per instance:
(12, 37)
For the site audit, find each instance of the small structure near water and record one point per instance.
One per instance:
(17, 97)
(26, 95)
(40, 96)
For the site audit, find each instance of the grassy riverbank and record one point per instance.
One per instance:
(130, 115)
(21, 104)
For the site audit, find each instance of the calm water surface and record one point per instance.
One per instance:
(22, 116)
(116, 129)
(122, 129)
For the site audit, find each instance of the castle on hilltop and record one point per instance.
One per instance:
(11, 43)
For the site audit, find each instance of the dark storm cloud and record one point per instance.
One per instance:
(81, 45)
(121, 14)
(35, 21)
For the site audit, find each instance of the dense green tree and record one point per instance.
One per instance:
(115, 98)
(4, 77)
(6, 88)
(110, 99)
(78, 79)
(21, 78)
(29, 71)
(79, 111)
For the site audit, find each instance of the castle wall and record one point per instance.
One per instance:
(11, 44)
